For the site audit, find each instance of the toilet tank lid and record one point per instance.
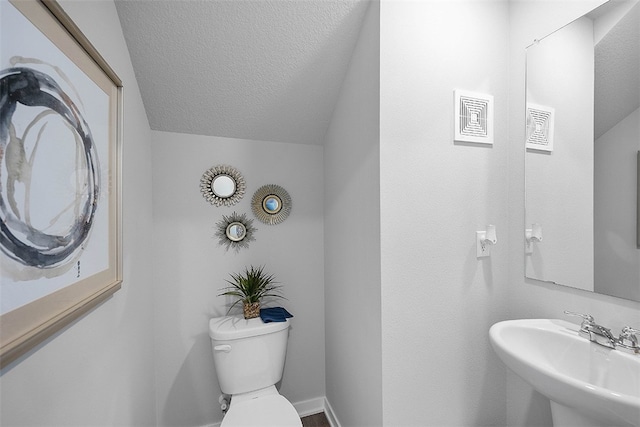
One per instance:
(236, 327)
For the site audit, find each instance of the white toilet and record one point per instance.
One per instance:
(249, 359)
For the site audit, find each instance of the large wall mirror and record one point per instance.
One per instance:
(581, 161)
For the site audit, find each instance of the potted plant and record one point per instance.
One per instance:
(250, 287)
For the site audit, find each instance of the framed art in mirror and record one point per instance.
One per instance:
(60, 189)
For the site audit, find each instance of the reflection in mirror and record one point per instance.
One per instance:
(223, 186)
(235, 231)
(582, 189)
(272, 204)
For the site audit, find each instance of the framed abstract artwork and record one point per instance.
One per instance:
(60, 175)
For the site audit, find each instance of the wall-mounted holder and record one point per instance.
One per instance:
(484, 241)
(533, 234)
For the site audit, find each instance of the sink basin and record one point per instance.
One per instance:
(587, 384)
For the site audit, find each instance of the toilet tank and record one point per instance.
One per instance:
(248, 354)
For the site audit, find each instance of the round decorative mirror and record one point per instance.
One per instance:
(271, 204)
(235, 231)
(222, 185)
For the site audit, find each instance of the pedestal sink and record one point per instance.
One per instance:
(588, 385)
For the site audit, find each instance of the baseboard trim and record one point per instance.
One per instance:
(309, 407)
(331, 416)
(315, 406)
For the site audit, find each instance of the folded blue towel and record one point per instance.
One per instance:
(274, 314)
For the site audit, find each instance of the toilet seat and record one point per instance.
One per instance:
(271, 410)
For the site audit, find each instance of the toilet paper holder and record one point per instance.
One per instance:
(533, 234)
(484, 241)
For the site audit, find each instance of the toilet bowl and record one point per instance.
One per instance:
(249, 358)
(268, 409)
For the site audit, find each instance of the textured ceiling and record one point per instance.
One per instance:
(617, 64)
(257, 69)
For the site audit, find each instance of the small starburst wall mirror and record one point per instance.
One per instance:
(235, 231)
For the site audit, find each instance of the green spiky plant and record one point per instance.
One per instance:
(250, 288)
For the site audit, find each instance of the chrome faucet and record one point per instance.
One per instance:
(589, 329)
(628, 341)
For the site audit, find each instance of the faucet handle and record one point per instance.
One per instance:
(628, 338)
(587, 320)
(586, 317)
(628, 341)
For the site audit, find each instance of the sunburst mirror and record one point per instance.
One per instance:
(271, 204)
(222, 185)
(235, 231)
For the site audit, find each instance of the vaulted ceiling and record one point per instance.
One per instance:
(617, 81)
(255, 69)
(272, 69)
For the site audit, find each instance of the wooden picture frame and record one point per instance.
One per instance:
(60, 196)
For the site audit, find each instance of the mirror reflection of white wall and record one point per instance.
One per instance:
(223, 186)
(559, 184)
(617, 258)
(617, 142)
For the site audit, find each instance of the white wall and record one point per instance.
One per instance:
(99, 370)
(438, 299)
(530, 298)
(617, 258)
(352, 238)
(190, 268)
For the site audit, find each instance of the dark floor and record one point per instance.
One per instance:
(316, 420)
